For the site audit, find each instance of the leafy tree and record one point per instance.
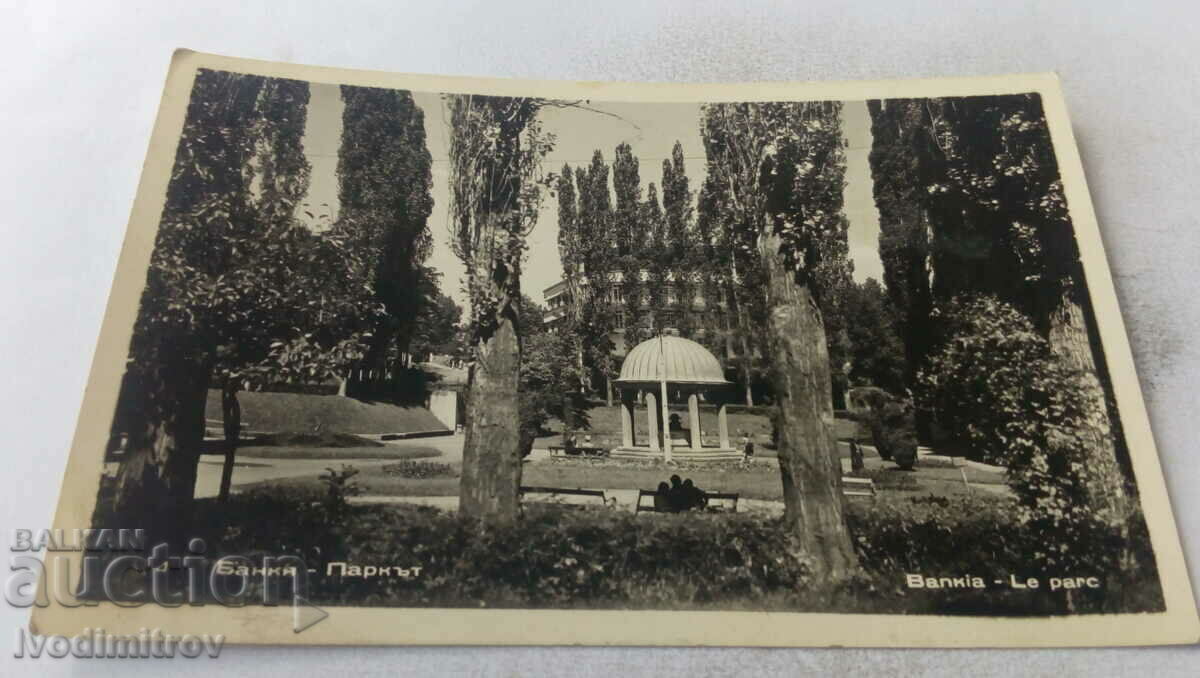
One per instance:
(734, 276)
(901, 158)
(496, 149)
(680, 246)
(237, 290)
(876, 353)
(598, 243)
(384, 182)
(655, 262)
(635, 256)
(533, 313)
(548, 378)
(438, 325)
(780, 168)
(971, 189)
(1001, 388)
(572, 256)
(889, 419)
(712, 269)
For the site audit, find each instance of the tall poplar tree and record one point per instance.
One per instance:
(496, 149)
(633, 244)
(680, 237)
(384, 183)
(599, 246)
(780, 168)
(900, 155)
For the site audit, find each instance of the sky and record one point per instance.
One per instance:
(651, 129)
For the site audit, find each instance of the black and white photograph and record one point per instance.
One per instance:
(525, 347)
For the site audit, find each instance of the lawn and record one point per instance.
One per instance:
(758, 481)
(308, 412)
(333, 453)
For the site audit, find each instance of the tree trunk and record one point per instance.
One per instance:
(231, 419)
(808, 457)
(608, 390)
(491, 471)
(156, 481)
(1068, 338)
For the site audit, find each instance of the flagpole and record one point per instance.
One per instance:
(666, 416)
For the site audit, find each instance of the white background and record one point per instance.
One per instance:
(81, 84)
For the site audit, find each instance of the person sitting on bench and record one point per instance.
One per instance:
(675, 493)
(662, 499)
(694, 497)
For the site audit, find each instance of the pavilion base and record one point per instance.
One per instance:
(708, 454)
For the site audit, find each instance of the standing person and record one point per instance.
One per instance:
(856, 457)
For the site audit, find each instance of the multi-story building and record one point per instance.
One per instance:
(664, 308)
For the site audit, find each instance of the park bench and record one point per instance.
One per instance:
(565, 491)
(577, 450)
(858, 487)
(730, 497)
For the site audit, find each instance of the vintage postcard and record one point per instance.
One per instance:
(396, 359)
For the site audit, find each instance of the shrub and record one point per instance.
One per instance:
(996, 385)
(339, 487)
(420, 469)
(890, 421)
(604, 559)
(905, 454)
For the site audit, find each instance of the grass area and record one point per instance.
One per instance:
(318, 439)
(334, 453)
(758, 481)
(307, 412)
(372, 485)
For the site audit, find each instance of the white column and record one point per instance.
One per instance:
(652, 419)
(666, 424)
(626, 421)
(694, 420)
(723, 426)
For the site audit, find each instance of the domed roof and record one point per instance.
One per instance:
(686, 362)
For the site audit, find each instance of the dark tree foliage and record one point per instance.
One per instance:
(970, 201)
(237, 292)
(655, 264)
(680, 252)
(970, 197)
(734, 276)
(634, 247)
(598, 243)
(438, 327)
(1005, 393)
(384, 182)
(901, 163)
(876, 351)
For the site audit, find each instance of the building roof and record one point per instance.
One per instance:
(685, 362)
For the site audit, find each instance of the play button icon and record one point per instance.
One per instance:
(305, 615)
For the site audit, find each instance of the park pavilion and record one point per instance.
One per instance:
(655, 372)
